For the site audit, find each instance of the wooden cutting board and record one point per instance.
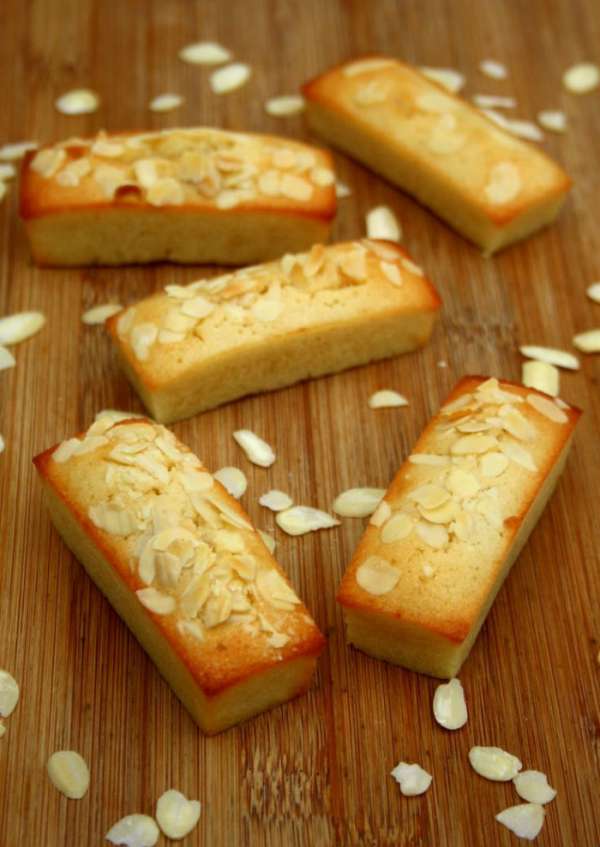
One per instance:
(315, 772)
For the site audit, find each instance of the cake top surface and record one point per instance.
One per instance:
(185, 547)
(437, 541)
(181, 168)
(169, 333)
(441, 132)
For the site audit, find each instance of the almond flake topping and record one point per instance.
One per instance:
(7, 360)
(428, 459)
(48, 161)
(268, 541)
(412, 779)
(358, 502)
(533, 786)
(493, 464)
(542, 376)
(363, 66)
(99, 314)
(256, 450)
(156, 601)
(134, 831)
(392, 272)
(383, 224)
(9, 694)
(399, 526)
(19, 327)
(450, 79)
(381, 514)
(204, 53)
(165, 102)
(376, 576)
(593, 292)
(411, 267)
(582, 78)
(285, 105)
(16, 151)
(233, 480)
(494, 763)
(176, 815)
(525, 820)
(7, 171)
(276, 500)
(299, 520)
(547, 408)
(493, 101)
(504, 183)
(493, 69)
(449, 705)
(588, 342)
(230, 78)
(433, 535)
(69, 773)
(80, 101)
(552, 356)
(553, 121)
(387, 399)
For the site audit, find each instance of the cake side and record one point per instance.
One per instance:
(180, 561)
(453, 520)
(492, 187)
(194, 347)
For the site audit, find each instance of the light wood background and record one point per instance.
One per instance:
(314, 772)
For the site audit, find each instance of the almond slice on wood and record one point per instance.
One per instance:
(204, 53)
(80, 101)
(284, 105)
(230, 78)
(560, 358)
(19, 327)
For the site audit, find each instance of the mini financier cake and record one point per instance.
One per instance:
(182, 195)
(452, 522)
(192, 348)
(489, 185)
(181, 563)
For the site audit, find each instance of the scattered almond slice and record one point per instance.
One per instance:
(80, 101)
(98, 314)
(494, 763)
(7, 171)
(449, 705)
(588, 342)
(525, 820)
(134, 831)
(493, 101)
(358, 502)
(541, 375)
(387, 399)
(268, 541)
(412, 779)
(233, 480)
(176, 815)
(16, 151)
(2, 444)
(230, 78)
(204, 53)
(7, 360)
(276, 500)
(552, 120)
(116, 415)
(450, 79)
(69, 773)
(256, 450)
(9, 694)
(302, 519)
(533, 786)
(581, 78)
(493, 69)
(19, 327)
(284, 105)
(520, 128)
(342, 190)
(383, 224)
(593, 292)
(551, 355)
(165, 102)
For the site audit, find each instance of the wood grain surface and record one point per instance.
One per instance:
(315, 772)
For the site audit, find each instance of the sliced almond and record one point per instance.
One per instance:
(412, 779)
(7, 360)
(134, 831)
(593, 292)
(276, 500)
(9, 694)
(176, 815)
(204, 53)
(298, 520)
(7, 171)
(14, 152)
(542, 376)
(533, 786)
(551, 355)
(233, 480)
(525, 820)
(399, 526)
(493, 69)
(80, 101)
(582, 78)
(19, 327)
(504, 183)
(588, 342)
(493, 101)
(364, 66)
(450, 79)
(98, 314)
(494, 763)
(69, 773)
(155, 601)
(434, 535)
(383, 224)
(547, 408)
(358, 502)
(256, 450)
(268, 541)
(493, 464)
(376, 576)
(165, 102)
(285, 105)
(381, 514)
(387, 399)
(516, 453)
(552, 120)
(230, 78)
(449, 705)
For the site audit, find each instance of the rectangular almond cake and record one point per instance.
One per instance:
(179, 195)
(487, 184)
(181, 563)
(452, 522)
(191, 348)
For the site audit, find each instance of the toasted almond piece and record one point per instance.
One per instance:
(553, 120)
(79, 101)
(588, 342)
(358, 502)
(165, 102)
(551, 355)
(16, 151)
(494, 763)
(268, 541)
(134, 831)
(493, 69)
(383, 224)
(377, 576)
(593, 292)
(533, 786)
(176, 815)
(298, 520)
(256, 450)
(449, 705)
(69, 773)
(581, 78)
(19, 327)
(230, 77)
(233, 480)
(7, 171)
(285, 105)
(450, 79)
(98, 314)
(412, 779)
(9, 694)
(155, 601)
(493, 101)
(387, 399)
(542, 376)
(7, 360)
(342, 190)
(525, 820)
(276, 500)
(204, 53)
